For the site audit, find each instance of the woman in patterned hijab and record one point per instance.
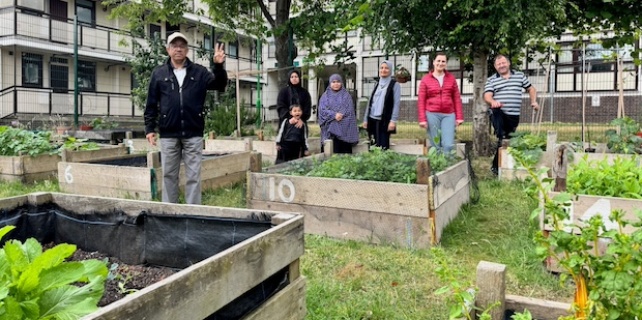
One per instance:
(337, 117)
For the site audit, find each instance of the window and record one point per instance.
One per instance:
(154, 29)
(271, 50)
(233, 48)
(86, 76)
(207, 43)
(32, 70)
(86, 12)
(59, 75)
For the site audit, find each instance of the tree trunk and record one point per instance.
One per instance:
(281, 40)
(481, 123)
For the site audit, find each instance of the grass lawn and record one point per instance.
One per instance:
(354, 280)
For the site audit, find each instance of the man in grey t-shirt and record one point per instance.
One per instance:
(503, 92)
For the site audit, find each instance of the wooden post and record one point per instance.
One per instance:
(328, 146)
(560, 167)
(256, 162)
(491, 281)
(248, 144)
(212, 135)
(129, 135)
(423, 170)
(153, 159)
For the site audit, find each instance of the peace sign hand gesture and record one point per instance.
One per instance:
(219, 54)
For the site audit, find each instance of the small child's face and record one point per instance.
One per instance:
(296, 112)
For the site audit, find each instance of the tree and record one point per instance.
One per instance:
(471, 29)
(312, 23)
(145, 58)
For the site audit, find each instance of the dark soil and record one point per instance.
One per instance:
(123, 278)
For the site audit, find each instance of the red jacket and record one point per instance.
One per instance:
(444, 99)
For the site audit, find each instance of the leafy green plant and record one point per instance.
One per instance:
(609, 284)
(621, 178)
(627, 140)
(76, 144)
(531, 145)
(103, 123)
(37, 284)
(221, 117)
(15, 142)
(376, 165)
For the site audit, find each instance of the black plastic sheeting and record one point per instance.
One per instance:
(174, 241)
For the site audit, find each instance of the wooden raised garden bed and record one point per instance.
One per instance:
(226, 270)
(139, 176)
(510, 170)
(585, 206)
(28, 169)
(408, 215)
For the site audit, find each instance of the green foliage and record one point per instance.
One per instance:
(622, 178)
(104, 123)
(627, 140)
(376, 165)
(75, 144)
(531, 145)
(613, 281)
(143, 62)
(37, 284)
(221, 117)
(14, 142)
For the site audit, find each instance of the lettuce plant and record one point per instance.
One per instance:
(37, 284)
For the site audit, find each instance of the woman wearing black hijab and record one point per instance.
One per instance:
(294, 93)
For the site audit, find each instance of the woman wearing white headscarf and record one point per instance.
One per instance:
(382, 112)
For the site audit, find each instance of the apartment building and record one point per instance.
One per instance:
(37, 66)
(37, 59)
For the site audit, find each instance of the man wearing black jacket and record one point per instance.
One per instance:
(175, 109)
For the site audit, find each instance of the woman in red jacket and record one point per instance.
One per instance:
(439, 105)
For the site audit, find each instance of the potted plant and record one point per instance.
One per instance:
(86, 126)
(60, 124)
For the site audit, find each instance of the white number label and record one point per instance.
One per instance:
(280, 189)
(68, 176)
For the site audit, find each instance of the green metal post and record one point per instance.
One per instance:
(258, 83)
(75, 71)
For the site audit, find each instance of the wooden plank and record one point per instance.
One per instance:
(377, 196)
(491, 281)
(92, 204)
(107, 152)
(351, 224)
(450, 181)
(45, 163)
(104, 180)
(287, 304)
(449, 209)
(200, 290)
(10, 166)
(222, 145)
(539, 309)
(583, 203)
